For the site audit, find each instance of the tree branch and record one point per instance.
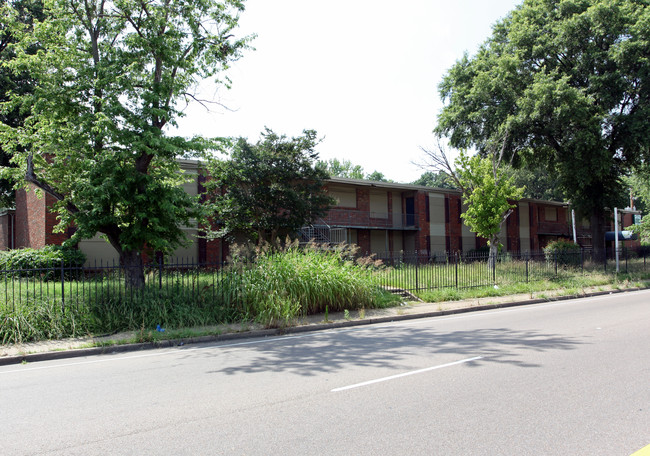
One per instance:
(439, 161)
(30, 176)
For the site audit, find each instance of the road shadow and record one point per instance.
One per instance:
(387, 346)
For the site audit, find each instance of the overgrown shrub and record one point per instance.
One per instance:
(49, 256)
(566, 253)
(285, 283)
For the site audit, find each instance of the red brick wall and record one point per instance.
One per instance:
(50, 222)
(215, 251)
(512, 231)
(363, 199)
(5, 231)
(30, 220)
(421, 215)
(453, 224)
(363, 241)
(534, 222)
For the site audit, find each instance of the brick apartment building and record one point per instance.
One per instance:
(378, 216)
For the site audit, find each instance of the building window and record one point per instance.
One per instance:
(550, 214)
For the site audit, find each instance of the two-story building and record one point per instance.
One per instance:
(379, 217)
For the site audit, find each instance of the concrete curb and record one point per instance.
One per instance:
(170, 343)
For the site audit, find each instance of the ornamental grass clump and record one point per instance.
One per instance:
(278, 285)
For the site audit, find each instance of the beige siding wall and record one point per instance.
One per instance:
(99, 251)
(379, 204)
(345, 197)
(189, 253)
(437, 222)
(397, 209)
(398, 241)
(409, 242)
(550, 214)
(469, 238)
(352, 236)
(378, 241)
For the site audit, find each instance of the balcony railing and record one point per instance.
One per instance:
(366, 219)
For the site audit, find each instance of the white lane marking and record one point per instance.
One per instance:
(405, 374)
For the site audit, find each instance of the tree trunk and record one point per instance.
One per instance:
(133, 266)
(598, 234)
(494, 251)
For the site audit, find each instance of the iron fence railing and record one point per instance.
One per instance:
(207, 283)
(108, 282)
(423, 270)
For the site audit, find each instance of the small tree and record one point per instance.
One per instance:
(486, 190)
(269, 189)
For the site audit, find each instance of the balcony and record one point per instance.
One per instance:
(554, 228)
(350, 218)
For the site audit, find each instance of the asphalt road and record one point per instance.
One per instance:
(565, 378)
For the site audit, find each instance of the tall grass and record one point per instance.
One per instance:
(268, 287)
(279, 286)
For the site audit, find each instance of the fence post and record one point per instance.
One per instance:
(160, 272)
(625, 259)
(527, 259)
(494, 268)
(62, 288)
(456, 265)
(417, 286)
(555, 261)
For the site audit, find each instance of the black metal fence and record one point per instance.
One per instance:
(418, 271)
(208, 283)
(102, 282)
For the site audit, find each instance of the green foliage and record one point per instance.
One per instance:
(109, 78)
(263, 285)
(277, 287)
(269, 189)
(43, 321)
(486, 192)
(538, 183)
(638, 183)
(563, 252)
(438, 179)
(642, 230)
(47, 257)
(566, 82)
(24, 12)
(344, 168)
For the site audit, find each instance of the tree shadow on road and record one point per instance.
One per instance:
(389, 347)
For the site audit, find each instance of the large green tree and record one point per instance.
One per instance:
(25, 12)
(110, 77)
(566, 81)
(269, 189)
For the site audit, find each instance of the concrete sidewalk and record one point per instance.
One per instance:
(127, 341)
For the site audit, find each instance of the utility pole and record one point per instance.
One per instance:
(616, 236)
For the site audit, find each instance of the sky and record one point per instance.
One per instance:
(363, 73)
